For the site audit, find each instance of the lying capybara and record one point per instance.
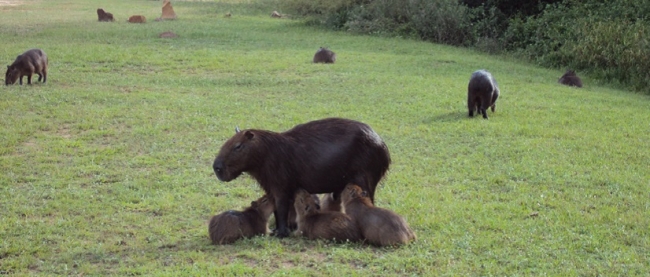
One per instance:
(320, 156)
(168, 34)
(327, 225)
(33, 61)
(379, 226)
(276, 14)
(328, 203)
(292, 213)
(104, 16)
(230, 226)
(137, 19)
(324, 55)
(570, 79)
(482, 92)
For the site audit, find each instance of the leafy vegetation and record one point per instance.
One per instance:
(106, 169)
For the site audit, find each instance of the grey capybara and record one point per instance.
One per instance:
(33, 61)
(324, 55)
(570, 79)
(230, 226)
(482, 92)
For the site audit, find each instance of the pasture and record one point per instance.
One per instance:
(106, 169)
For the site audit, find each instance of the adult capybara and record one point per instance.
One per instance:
(292, 213)
(230, 226)
(378, 226)
(482, 92)
(104, 16)
(570, 79)
(33, 61)
(324, 55)
(137, 19)
(320, 156)
(328, 203)
(316, 224)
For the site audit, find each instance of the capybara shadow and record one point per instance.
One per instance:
(33, 61)
(104, 16)
(230, 226)
(482, 92)
(324, 55)
(379, 226)
(316, 224)
(320, 156)
(570, 78)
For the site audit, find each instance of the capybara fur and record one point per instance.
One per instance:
(292, 213)
(320, 156)
(316, 224)
(137, 19)
(328, 203)
(379, 226)
(230, 226)
(104, 16)
(33, 61)
(482, 92)
(570, 79)
(324, 55)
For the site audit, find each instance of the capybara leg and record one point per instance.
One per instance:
(281, 214)
(485, 104)
(484, 111)
(44, 76)
(493, 107)
(470, 106)
(40, 77)
(29, 79)
(494, 101)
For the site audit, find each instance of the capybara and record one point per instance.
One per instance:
(324, 55)
(137, 19)
(104, 16)
(276, 14)
(230, 226)
(570, 79)
(320, 156)
(379, 226)
(292, 213)
(482, 92)
(328, 203)
(316, 224)
(33, 61)
(168, 34)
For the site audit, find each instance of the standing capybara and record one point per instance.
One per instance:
(230, 226)
(137, 19)
(320, 156)
(324, 55)
(104, 16)
(328, 203)
(316, 224)
(378, 226)
(570, 79)
(33, 61)
(482, 92)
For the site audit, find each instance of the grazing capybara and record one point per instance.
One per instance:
(570, 79)
(33, 61)
(482, 92)
(324, 55)
(316, 224)
(137, 19)
(328, 203)
(379, 226)
(292, 213)
(230, 226)
(320, 156)
(104, 16)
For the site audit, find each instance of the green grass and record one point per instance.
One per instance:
(106, 169)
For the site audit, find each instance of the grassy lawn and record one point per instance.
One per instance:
(106, 169)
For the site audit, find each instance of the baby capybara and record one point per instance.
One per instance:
(570, 79)
(104, 16)
(328, 203)
(324, 55)
(230, 226)
(316, 224)
(482, 92)
(378, 226)
(137, 19)
(292, 213)
(33, 61)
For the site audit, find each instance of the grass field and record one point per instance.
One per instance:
(106, 169)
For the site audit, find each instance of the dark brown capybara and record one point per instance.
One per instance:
(320, 156)
(328, 203)
(379, 226)
(230, 226)
(292, 213)
(324, 55)
(33, 61)
(482, 92)
(570, 79)
(104, 16)
(316, 224)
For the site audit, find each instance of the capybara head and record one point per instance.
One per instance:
(237, 155)
(352, 192)
(264, 205)
(305, 203)
(12, 75)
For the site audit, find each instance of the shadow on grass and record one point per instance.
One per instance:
(448, 117)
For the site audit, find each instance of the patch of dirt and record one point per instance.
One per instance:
(10, 3)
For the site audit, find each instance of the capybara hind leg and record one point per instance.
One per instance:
(44, 76)
(494, 101)
(40, 76)
(471, 105)
(29, 79)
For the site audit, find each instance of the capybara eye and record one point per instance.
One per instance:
(238, 146)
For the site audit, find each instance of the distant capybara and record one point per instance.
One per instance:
(482, 92)
(104, 16)
(570, 79)
(292, 213)
(168, 34)
(230, 226)
(320, 156)
(33, 61)
(137, 19)
(378, 226)
(276, 14)
(324, 55)
(328, 203)
(327, 225)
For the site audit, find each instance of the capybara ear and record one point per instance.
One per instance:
(249, 134)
